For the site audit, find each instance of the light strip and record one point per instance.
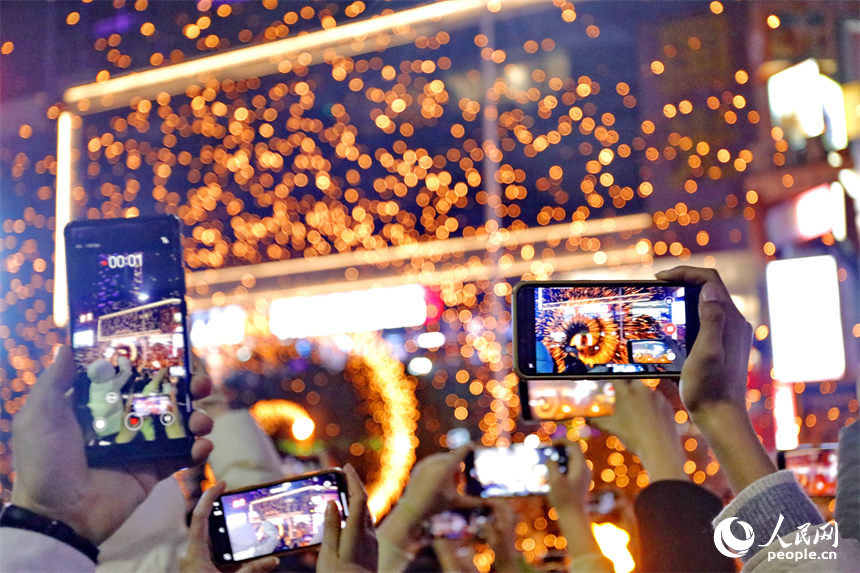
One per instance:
(462, 273)
(785, 416)
(502, 238)
(347, 312)
(63, 216)
(263, 59)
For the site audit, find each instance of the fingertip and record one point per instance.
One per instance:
(201, 386)
(200, 450)
(201, 424)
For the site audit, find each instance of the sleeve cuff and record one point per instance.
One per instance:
(24, 550)
(761, 503)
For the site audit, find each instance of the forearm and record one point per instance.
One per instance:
(663, 458)
(729, 433)
(395, 535)
(576, 528)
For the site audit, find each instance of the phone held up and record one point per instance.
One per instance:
(129, 338)
(577, 330)
(556, 400)
(459, 524)
(275, 518)
(515, 471)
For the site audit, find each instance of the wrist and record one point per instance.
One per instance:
(712, 417)
(18, 517)
(75, 520)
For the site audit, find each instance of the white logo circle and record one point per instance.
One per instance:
(727, 543)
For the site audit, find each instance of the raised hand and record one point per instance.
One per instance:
(52, 476)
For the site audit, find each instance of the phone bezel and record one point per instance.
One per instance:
(524, 335)
(135, 450)
(526, 410)
(475, 488)
(220, 541)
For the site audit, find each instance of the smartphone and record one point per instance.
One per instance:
(129, 338)
(586, 329)
(566, 399)
(815, 467)
(515, 471)
(275, 518)
(459, 524)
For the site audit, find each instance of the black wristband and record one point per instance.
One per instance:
(20, 518)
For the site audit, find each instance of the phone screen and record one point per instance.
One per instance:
(274, 518)
(517, 470)
(459, 524)
(814, 467)
(586, 330)
(127, 319)
(565, 399)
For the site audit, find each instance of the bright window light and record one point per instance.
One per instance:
(345, 312)
(805, 319)
(821, 210)
(795, 102)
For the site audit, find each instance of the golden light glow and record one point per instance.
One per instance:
(388, 383)
(264, 59)
(275, 417)
(613, 541)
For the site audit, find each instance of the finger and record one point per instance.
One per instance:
(709, 341)
(358, 514)
(466, 502)
(697, 276)
(259, 565)
(331, 530)
(197, 365)
(200, 423)
(198, 530)
(54, 382)
(553, 473)
(575, 460)
(201, 386)
(200, 450)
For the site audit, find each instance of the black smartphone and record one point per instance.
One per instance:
(275, 518)
(815, 467)
(515, 471)
(619, 329)
(565, 399)
(127, 318)
(459, 524)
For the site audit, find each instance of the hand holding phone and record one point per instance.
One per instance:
(129, 337)
(198, 555)
(515, 471)
(275, 518)
(565, 399)
(49, 443)
(588, 329)
(459, 524)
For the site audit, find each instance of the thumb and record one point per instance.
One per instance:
(54, 382)
(709, 341)
(331, 530)
(260, 565)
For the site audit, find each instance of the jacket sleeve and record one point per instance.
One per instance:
(761, 504)
(22, 550)
(674, 522)
(847, 513)
(243, 454)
